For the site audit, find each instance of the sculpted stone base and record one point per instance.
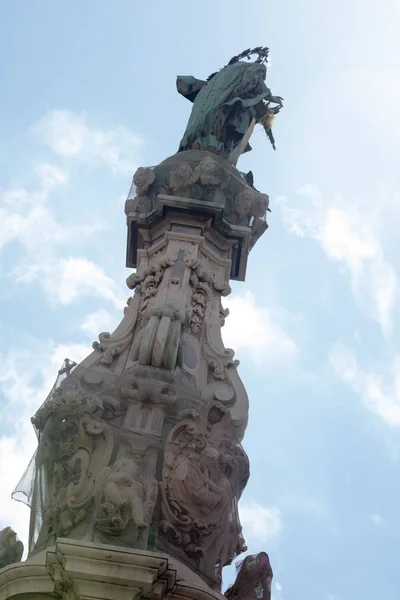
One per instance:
(77, 570)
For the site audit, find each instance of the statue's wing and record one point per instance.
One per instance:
(189, 86)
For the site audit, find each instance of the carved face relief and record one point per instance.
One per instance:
(209, 171)
(260, 206)
(181, 179)
(143, 178)
(244, 203)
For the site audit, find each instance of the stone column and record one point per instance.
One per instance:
(139, 445)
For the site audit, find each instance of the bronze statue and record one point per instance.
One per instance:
(228, 104)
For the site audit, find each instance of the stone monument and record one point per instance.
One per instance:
(139, 468)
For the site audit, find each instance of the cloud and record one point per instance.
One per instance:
(97, 322)
(260, 522)
(380, 392)
(277, 591)
(26, 215)
(26, 377)
(67, 279)
(69, 136)
(352, 237)
(377, 520)
(249, 327)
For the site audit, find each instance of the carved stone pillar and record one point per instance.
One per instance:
(139, 445)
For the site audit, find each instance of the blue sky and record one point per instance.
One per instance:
(88, 95)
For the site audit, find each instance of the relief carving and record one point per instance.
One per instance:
(111, 347)
(210, 179)
(148, 279)
(63, 584)
(218, 360)
(63, 402)
(141, 204)
(201, 281)
(196, 487)
(199, 301)
(11, 548)
(181, 180)
(74, 446)
(127, 496)
(150, 392)
(249, 205)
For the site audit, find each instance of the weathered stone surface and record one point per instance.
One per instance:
(11, 548)
(139, 444)
(80, 570)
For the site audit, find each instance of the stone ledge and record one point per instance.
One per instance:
(238, 236)
(79, 570)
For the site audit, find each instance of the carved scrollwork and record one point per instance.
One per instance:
(111, 347)
(65, 402)
(148, 391)
(147, 281)
(74, 446)
(219, 360)
(196, 485)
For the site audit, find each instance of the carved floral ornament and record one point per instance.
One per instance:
(147, 281)
(64, 402)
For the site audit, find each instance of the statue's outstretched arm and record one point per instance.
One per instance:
(189, 86)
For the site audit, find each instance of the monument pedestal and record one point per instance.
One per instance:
(80, 570)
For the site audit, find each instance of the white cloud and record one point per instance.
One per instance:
(26, 377)
(50, 176)
(256, 329)
(97, 322)
(26, 215)
(68, 135)
(277, 591)
(260, 522)
(352, 236)
(380, 392)
(377, 520)
(67, 279)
